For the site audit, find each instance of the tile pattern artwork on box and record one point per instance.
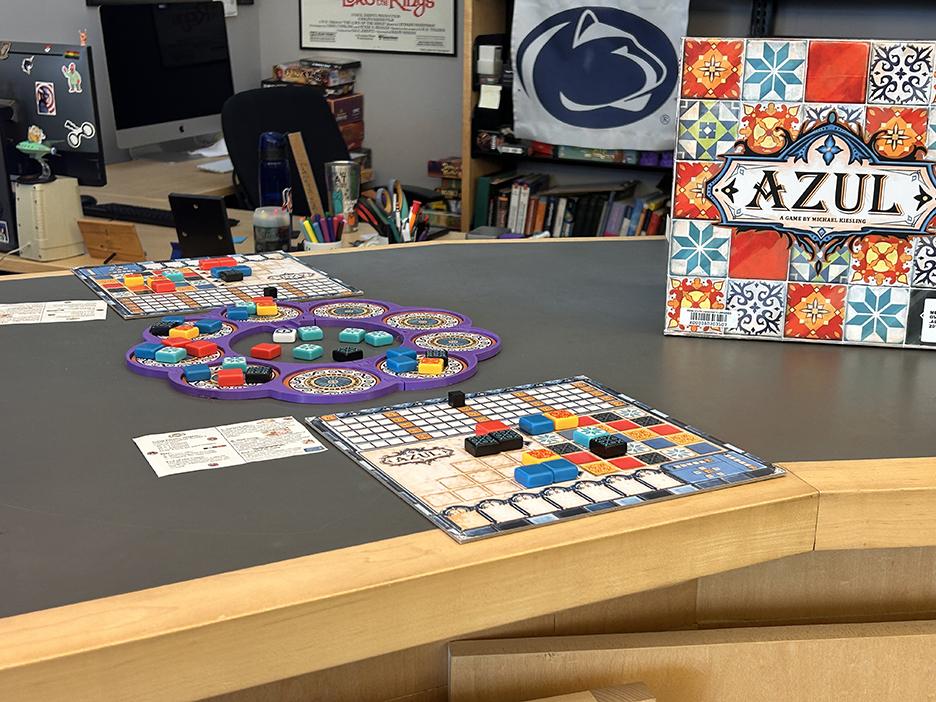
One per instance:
(804, 192)
(494, 462)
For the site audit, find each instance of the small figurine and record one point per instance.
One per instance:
(38, 151)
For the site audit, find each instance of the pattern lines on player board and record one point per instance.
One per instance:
(430, 421)
(514, 458)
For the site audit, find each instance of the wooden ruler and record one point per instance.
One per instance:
(301, 159)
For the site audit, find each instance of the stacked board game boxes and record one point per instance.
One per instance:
(337, 79)
(804, 192)
(497, 461)
(447, 213)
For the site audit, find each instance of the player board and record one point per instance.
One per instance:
(198, 290)
(804, 192)
(418, 450)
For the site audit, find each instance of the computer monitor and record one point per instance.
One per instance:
(51, 87)
(169, 69)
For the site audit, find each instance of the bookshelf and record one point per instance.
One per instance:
(490, 17)
(479, 17)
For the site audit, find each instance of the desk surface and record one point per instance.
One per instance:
(147, 184)
(82, 516)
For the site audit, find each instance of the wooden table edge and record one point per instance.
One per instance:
(220, 633)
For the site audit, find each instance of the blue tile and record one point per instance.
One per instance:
(583, 435)
(704, 447)
(170, 354)
(208, 326)
(147, 351)
(401, 351)
(659, 443)
(534, 424)
(533, 476)
(401, 364)
(562, 469)
(310, 333)
(198, 371)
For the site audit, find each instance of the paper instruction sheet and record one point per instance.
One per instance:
(229, 445)
(46, 312)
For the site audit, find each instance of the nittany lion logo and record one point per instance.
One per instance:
(597, 67)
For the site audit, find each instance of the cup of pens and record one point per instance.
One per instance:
(322, 233)
(392, 216)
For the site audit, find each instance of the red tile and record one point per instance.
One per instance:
(626, 463)
(266, 352)
(758, 254)
(881, 260)
(712, 69)
(815, 311)
(837, 71)
(900, 131)
(623, 425)
(587, 421)
(581, 457)
(691, 200)
(176, 342)
(200, 349)
(488, 427)
(230, 377)
(768, 127)
(665, 429)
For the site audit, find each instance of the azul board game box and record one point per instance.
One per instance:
(804, 192)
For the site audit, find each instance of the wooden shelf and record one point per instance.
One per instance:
(514, 158)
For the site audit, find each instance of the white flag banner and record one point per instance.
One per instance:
(602, 75)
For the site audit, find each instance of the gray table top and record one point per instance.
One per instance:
(83, 516)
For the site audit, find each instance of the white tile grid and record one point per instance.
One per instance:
(439, 420)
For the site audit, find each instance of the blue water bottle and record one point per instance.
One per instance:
(273, 170)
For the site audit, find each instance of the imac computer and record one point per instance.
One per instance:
(47, 87)
(169, 70)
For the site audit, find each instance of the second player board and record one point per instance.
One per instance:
(196, 289)
(419, 451)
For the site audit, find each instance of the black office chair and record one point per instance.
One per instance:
(299, 108)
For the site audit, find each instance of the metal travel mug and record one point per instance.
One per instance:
(343, 180)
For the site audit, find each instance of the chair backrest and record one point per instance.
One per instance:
(300, 108)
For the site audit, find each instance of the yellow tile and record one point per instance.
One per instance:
(266, 310)
(537, 456)
(639, 434)
(431, 366)
(563, 419)
(598, 468)
(183, 331)
(683, 438)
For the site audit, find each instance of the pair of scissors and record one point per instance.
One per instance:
(391, 199)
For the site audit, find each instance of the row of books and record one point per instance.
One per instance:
(526, 204)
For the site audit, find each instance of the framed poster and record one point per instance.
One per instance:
(389, 26)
